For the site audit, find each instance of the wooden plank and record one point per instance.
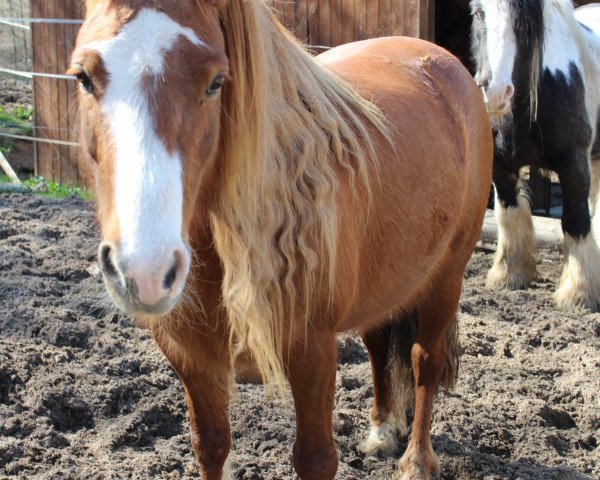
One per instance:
(301, 29)
(290, 15)
(360, 19)
(54, 98)
(372, 22)
(397, 26)
(313, 22)
(72, 111)
(383, 22)
(424, 19)
(62, 162)
(324, 15)
(431, 13)
(41, 89)
(348, 15)
(335, 23)
(410, 20)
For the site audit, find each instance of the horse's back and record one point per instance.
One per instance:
(589, 16)
(431, 191)
(425, 92)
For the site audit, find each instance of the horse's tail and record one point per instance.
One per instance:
(403, 334)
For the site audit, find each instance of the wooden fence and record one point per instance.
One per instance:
(317, 22)
(334, 22)
(55, 107)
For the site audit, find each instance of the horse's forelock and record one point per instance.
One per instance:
(527, 18)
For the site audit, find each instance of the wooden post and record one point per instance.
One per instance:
(8, 169)
(55, 108)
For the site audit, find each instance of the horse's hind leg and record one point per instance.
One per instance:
(311, 367)
(389, 351)
(435, 361)
(514, 264)
(580, 281)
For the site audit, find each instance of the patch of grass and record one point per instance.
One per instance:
(17, 121)
(39, 186)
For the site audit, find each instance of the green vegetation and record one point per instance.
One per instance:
(39, 186)
(17, 122)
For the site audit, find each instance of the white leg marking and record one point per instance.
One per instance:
(383, 438)
(579, 285)
(594, 198)
(514, 264)
(227, 470)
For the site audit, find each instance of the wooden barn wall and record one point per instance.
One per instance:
(325, 23)
(55, 106)
(333, 22)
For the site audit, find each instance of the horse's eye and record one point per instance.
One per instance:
(85, 81)
(216, 85)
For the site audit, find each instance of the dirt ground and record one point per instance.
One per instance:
(85, 394)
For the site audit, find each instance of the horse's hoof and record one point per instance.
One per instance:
(570, 301)
(499, 278)
(419, 465)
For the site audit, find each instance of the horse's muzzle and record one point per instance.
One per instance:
(148, 289)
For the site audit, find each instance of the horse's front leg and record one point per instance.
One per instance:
(311, 368)
(514, 264)
(580, 281)
(207, 380)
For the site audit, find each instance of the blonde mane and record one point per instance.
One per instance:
(288, 126)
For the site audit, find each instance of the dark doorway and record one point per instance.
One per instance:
(453, 28)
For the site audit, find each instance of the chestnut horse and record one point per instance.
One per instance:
(252, 198)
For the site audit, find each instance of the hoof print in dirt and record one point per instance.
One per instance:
(66, 411)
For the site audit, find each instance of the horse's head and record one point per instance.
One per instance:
(494, 51)
(507, 40)
(151, 73)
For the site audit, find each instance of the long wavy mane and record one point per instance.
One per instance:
(288, 126)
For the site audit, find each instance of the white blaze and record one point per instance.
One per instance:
(148, 179)
(501, 43)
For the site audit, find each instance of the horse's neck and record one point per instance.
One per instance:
(568, 42)
(561, 43)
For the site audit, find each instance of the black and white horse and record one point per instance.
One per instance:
(538, 65)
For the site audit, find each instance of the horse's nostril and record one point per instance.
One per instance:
(106, 261)
(171, 275)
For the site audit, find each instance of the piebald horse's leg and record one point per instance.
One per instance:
(436, 313)
(207, 383)
(514, 264)
(311, 367)
(594, 198)
(392, 385)
(580, 281)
